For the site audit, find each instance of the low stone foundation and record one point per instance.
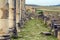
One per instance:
(5, 37)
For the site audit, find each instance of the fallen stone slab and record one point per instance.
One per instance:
(46, 33)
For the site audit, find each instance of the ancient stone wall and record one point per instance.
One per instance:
(50, 15)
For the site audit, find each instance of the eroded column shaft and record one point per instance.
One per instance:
(3, 19)
(22, 12)
(18, 15)
(12, 17)
(17, 11)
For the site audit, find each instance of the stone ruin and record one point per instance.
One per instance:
(10, 15)
(52, 19)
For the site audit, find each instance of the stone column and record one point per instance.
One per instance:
(22, 12)
(20, 9)
(23, 8)
(17, 11)
(44, 20)
(3, 19)
(58, 35)
(12, 17)
(17, 15)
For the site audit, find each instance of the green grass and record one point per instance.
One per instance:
(32, 30)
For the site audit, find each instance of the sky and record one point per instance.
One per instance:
(43, 2)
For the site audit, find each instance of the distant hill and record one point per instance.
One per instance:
(35, 6)
(31, 5)
(51, 7)
(56, 5)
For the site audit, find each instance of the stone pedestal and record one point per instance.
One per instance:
(58, 35)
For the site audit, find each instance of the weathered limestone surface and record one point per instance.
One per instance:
(17, 11)
(31, 9)
(3, 18)
(58, 35)
(12, 17)
(17, 14)
(3, 3)
(22, 9)
(22, 12)
(11, 14)
(9, 23)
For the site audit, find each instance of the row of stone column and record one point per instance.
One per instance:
(14, 16)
